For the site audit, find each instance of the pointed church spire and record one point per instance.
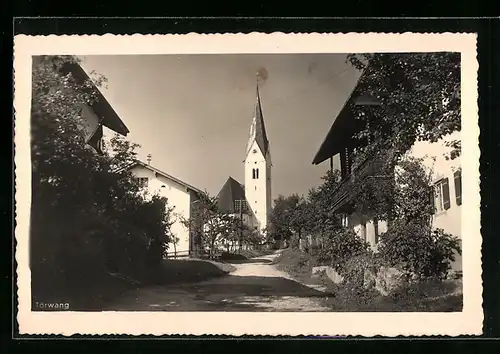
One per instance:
(258, 128)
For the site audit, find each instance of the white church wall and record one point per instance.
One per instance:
(256, 190)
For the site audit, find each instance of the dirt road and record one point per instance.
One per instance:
(255, 285)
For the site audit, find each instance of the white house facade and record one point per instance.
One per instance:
(446, 177)
(180, 196)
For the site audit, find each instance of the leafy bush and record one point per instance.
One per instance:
(339, 248)
(417, 250)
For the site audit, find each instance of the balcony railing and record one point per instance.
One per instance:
(345, 192)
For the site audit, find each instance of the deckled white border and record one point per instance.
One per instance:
(468, 322)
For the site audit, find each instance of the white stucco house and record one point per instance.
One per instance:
(180, 195)
(445, 174)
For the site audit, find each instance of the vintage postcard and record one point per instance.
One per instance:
(248, 184)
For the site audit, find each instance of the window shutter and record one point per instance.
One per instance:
(458, 186)
(446, 194)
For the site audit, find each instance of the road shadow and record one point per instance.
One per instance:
(249, 260)
(229, 293)
(252, 286)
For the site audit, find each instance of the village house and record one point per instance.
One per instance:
(180, 195)
(97, 115)
(338, 147)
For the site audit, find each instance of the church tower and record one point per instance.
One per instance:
(258, 170)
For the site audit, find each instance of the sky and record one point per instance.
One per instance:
(193, 113)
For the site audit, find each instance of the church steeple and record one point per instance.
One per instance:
(258, 128)
(258, 170)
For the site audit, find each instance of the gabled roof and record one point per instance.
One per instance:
(258, 128)
(101, 106)
(344, 125)
(231, 190)
(166, 175)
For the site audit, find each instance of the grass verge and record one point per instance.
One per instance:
(423, 297)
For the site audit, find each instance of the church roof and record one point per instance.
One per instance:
(231, 190)
(258, 128)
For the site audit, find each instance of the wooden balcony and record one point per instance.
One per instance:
(345, 192)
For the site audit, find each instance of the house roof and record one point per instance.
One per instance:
(258, 128)
(101, 106)
(166, 175)
(344, 126)
(231, 190)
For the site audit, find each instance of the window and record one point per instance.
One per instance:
(457, 176)
(441, 195)
(143, 181)
(345, 220)
(255, 173)
(240, 206)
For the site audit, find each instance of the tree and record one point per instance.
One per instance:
(283, 215)
(88, 216)
(323, 218)
(401, 192)
(212, 225)
(419, 95)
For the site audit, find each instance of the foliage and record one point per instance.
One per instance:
(400, 191)
(375, 190)
(413, 192)
(314, 215)
(282, 216)
(322, 218)
(215, 227)
(419, 95)
(88, 217)
(339, 248)
(417, 250)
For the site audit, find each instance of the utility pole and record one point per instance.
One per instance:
(241, 224)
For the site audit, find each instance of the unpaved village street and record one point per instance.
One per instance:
(255, 285)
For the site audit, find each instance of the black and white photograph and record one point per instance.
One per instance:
(251, 182)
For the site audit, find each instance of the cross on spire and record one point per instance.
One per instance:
(149, 159)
